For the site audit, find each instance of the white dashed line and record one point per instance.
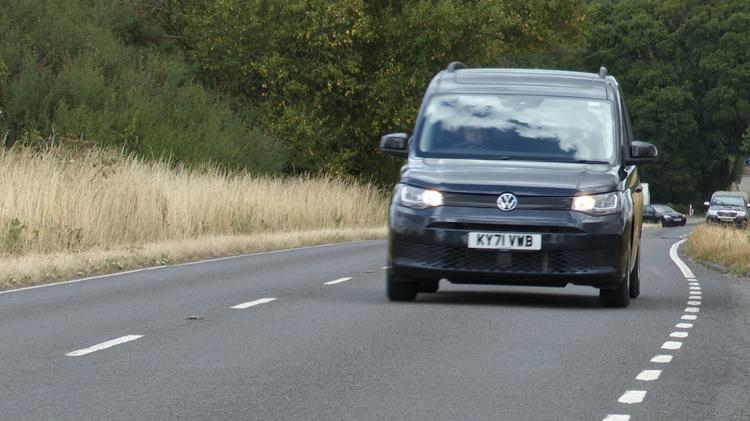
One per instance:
(695, 288)
(337, 281)
(648, 375)
(384, 268)
(683, 325)
(688, 317)
(662, 359)
(680, 335)
(617, 417)
(694, 303)
(632, 396)
(252, 303)
(695, 297)
(671, 345)
(692, 310)
(103, 345)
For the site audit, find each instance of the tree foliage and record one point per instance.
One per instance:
(97, 70)
(684, 66)
(335, 75)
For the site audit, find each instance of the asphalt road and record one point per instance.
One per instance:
(342, 351)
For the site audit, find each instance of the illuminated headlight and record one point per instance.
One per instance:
(415, 197)
(712, 212)
(598, 204)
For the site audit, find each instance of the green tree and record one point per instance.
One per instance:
(684, 66)
(335, 75)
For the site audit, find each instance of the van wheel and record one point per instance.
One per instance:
(618, 297)
(635, 277)
(429, 286)
(398, 290)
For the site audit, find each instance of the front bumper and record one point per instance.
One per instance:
(576, 248)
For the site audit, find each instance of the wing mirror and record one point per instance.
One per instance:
(642, 152)
(396, 144)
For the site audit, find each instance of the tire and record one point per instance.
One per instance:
(635, 278)
(429, 286)
(398, 290)
(618, 297)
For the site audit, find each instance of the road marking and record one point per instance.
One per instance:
(617, 417)
(337, 281)
(677, 261)
(648, 375)
(198, 262)
(662, 359)
(680, 335)
(671, 345)
(683, 325)
(385, 268)
(103, 345)
(694, 303)
(695, 297)
(692, 310)
(632, 396)
(695, 288)
(253, 303)
(688, 317)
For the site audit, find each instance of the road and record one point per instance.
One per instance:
(329, 347)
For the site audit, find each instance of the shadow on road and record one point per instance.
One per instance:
(505, 298)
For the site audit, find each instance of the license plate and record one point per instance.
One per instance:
(505, 241)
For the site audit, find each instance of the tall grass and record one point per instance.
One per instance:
(727, 246)
(57, 201)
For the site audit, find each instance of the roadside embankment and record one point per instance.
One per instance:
(65, 214)
(722, 245)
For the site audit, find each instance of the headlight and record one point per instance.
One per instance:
(741, 214)
(712, 212)
(598, 204)
(415, 197)
(667, 216)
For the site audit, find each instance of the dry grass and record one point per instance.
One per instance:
(727, 246)
(64, 214)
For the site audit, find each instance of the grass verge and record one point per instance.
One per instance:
(37, 268)
(726, 246)
(70, 213)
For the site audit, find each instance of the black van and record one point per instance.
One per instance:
(518, 177)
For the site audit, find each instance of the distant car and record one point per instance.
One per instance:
(663, 215)
(747, 160)
(728, 207)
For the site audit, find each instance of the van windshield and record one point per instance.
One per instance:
(518, 127)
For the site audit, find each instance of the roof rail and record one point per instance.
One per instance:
(603, 72)
(455, 66)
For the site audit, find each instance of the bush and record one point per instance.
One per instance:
(97, 70)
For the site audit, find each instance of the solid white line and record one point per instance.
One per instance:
(632, 396)
(384, 267)
(692, 310)
(680, 335)
(648, 375)
(676, 259)
(662, 359)
(253, 303)
(103, 345)
(218, 259)
(337, 281)
(689, 317)
(671, 345)
(694, 303)
(683, 325)
(617, 417)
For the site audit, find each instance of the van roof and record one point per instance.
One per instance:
(524, 81)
